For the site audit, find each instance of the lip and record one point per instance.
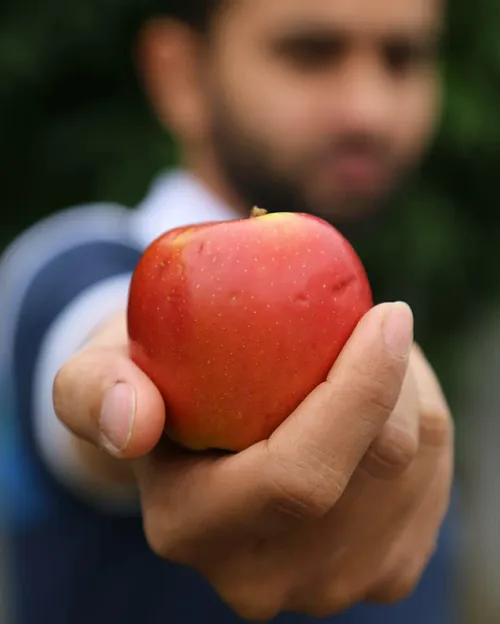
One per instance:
(358, 173)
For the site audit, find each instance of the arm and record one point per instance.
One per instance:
(59, 282)
(80, 466)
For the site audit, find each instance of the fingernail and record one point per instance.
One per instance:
(117, 417)
(398, 329)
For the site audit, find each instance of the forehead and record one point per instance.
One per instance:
(370, 17)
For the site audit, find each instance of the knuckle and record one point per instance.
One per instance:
(301, 501)
(400, 589)
(377, 393)
(401, 584)
(330, 605)
(155, 537)
(162, 540)
(333, 598)
(250, 604)
(320, 610)
(392, 452)
(304, 490)
(436, 426)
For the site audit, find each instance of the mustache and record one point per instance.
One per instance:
(364, 145)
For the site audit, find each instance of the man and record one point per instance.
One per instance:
(288, 104)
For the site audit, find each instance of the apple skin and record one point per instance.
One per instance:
(236, 322)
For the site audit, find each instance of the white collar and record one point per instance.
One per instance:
(176, 199)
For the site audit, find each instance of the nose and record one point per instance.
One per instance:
(363, 97)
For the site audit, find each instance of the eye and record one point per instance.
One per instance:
(403, 57)
(312, 54)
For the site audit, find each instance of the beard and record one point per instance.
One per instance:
(253, 173)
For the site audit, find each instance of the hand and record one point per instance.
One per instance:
(342, 504)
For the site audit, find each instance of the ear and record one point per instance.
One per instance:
(168, 57)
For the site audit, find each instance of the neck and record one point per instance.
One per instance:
(206, 170)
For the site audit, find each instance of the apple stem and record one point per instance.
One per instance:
(257, 212)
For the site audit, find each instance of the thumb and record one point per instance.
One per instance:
(104, 398)
(325, 439)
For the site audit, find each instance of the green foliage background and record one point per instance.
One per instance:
(74, 128)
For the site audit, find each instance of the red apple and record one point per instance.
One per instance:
(237, 322)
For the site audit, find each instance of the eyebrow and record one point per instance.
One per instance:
(288, 36)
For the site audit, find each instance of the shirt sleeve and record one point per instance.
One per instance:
(58, 282)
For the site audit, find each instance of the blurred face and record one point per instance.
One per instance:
(321, 105)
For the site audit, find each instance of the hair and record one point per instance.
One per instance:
(197, 14)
